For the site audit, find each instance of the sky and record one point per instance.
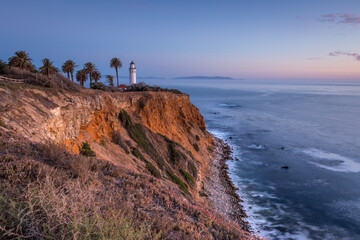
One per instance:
(253, 39)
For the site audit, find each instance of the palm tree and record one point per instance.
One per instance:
(21, 60)
(110, 80)
(65, 69)
(48, 68)
(69, 67)
(96, 75)
(72, 66)
(81, 76)
(116, 63)
(3, 65)
(89, 69)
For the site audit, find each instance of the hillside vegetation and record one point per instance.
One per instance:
(88, 164)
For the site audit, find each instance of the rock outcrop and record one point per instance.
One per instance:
(72, 118)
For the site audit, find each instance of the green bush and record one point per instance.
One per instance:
(197, 138)
(192, 168)
(175, 154)
(2, 124)
(86, 150)
(178, 181)
(137, 153)
(196, 147)
(100, 86)
(3, 65)
(191, 154)
(152, 169)
(187, 176)
(103, 143)
(140, 87)
(137, 133)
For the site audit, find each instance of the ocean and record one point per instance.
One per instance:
(298, 150)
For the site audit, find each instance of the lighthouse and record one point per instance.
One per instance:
(132, 73)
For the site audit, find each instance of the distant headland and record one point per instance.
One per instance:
(203, 77)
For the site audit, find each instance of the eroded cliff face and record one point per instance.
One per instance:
(153, 156)
(166, 131)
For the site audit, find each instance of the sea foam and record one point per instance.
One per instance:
(333, 161)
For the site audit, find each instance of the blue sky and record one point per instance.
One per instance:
(254, 39)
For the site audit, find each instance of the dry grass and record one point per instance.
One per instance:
(57, 80)
(49, 193)
(69, 211)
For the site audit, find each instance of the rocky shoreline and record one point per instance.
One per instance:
(221, 190)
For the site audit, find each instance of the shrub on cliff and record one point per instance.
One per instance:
(192, 168)
(103, 87)
(178, 181)
(152, 169)
(3, 65)
(175, 155)
(86, 150)
(137, 153)
(137, 133)
(2, 124)
(140, 87)
(196, 147)
(197, 138)
(187, 176)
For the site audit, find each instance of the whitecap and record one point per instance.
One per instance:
(256, 147)
(228, 105)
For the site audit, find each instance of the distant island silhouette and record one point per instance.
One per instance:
(203, 77)
(143, 77)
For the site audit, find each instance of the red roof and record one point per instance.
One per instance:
(122, 86)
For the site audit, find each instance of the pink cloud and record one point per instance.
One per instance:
(314, 58)
(340, 18)
(338, 53)
(327, 18)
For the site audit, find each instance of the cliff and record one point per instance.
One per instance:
(147, 153)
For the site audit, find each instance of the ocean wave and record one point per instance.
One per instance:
(257, 147)
(228, 105)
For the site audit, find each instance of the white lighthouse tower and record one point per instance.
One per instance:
(132, 73)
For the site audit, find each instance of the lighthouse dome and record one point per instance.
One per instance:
(132, 64)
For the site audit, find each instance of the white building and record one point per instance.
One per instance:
(132, 73)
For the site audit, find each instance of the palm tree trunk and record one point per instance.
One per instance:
(117, 76)
(72, 76)
(68, 75)
(90, 79)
